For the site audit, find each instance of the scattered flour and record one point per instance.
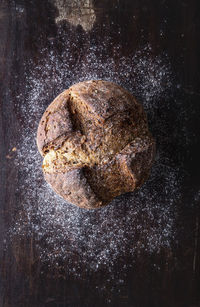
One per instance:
(132, 223)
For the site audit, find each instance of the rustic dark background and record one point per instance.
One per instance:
(25, 28)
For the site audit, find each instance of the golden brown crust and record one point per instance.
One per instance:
(96, 145)
(73, 186)
(55, 121)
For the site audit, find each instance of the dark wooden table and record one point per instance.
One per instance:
(114, 29)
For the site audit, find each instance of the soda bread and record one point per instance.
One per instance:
(95, 142)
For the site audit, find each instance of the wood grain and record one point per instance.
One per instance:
(28, 26)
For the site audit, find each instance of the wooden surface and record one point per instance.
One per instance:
(27, 27)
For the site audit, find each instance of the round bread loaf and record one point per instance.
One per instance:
(95, 142)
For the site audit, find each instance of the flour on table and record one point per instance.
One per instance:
(132, 223)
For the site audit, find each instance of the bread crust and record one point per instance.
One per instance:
(95, 142)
